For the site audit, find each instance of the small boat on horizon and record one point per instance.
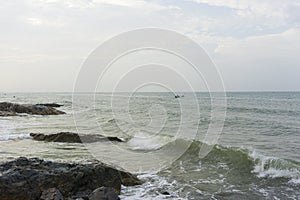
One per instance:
(178, 96)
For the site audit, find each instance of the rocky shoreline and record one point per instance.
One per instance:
(13, 109)
(34, 178)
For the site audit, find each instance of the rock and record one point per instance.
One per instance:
(7, 114)
(53, 105)
(69, 137)
(29, 109)
(51, 194)
(58, 137)
(26, 179)
(114, 139)
(104, 193)
(165, 193)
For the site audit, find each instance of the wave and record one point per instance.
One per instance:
(145, 141)
(266, 166)
(245, 160)
(7, 137)
(250, 161)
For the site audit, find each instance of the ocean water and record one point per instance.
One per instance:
(257, 155)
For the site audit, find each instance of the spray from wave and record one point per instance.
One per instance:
(249, 160)
(145, 141)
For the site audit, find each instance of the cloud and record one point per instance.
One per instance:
(88, 4)
(286, 44)
(132, 4)
(266, 8)
(257, 17)
(261, 62)
(43, 22)
(239, 35)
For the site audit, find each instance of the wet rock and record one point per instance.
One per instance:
(51, 194)
(104, 193)
(24, 179)
(69, 137)
(165, 193)
(114, 139)
(58, 137)
(29, 109)
(53, 105)
(7, 114)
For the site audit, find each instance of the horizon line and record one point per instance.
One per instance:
(230, 91)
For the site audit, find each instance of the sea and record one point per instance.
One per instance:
(255, 154)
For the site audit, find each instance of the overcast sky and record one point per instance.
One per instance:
(254, 43)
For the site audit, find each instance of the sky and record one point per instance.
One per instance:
(255, 44)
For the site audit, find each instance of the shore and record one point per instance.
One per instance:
(34, 178)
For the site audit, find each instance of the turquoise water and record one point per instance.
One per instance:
(256, 156)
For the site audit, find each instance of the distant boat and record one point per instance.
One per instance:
(178, 96)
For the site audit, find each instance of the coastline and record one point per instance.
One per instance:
(34, 178)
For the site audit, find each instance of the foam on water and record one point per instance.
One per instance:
(14, 137)
(152, 189)
(145, 141)
(273, 167)
(295, 181)
(6, 128)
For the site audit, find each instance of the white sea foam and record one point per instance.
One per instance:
(273, 167)
(295, 181)
(152, 188)
(147, 142)
(7, 129)
(14, 137)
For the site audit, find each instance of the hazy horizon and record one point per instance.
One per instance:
(179, 92)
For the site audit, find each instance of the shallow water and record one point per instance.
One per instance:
(257, 155)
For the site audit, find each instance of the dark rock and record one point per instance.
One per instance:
(24, 179)
(58, 137)
(69, 137)
(7, 114)
(53, 105)
(104, 193)
(51, 194)
(29, 109)
(165, 193)
(114, 139)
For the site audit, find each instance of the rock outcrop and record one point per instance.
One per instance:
(7, 114)
(53, 105)
(26, 179)
(69, 137)
(12, 109)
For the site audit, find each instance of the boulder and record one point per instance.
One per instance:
(33, 178)
(69, 137)
(29, 109)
